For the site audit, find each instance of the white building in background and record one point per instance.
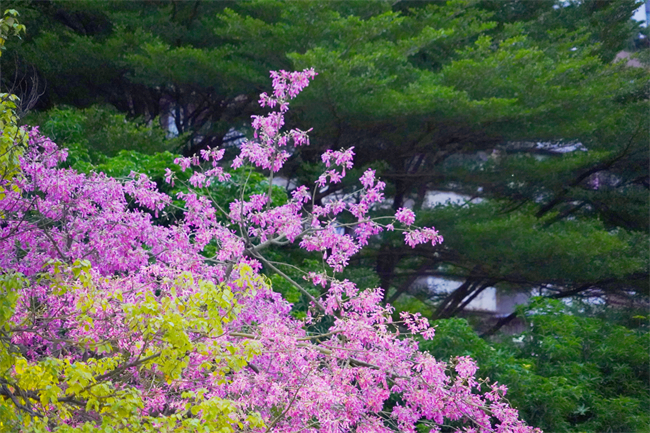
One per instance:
(491, 301)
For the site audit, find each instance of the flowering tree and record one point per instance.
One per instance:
(111, 321)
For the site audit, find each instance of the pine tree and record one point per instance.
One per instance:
(517, 104)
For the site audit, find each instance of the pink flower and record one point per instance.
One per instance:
(422, 236)
(466, 367)
(169, 176)
(301, 194)
(405, 216)
(368, 178)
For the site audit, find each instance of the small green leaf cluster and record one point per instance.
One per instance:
(12, 137)
(567, 372)
(99, 132)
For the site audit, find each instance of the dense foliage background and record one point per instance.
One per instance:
(516, 105)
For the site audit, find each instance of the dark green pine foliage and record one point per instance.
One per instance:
(147, 59)
(472, 97)
(455, 97)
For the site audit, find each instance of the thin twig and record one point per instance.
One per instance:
(296, 285)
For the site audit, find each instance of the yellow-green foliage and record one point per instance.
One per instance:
(12, 138)
(53, 389)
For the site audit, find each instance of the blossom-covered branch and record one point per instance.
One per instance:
(114, 321)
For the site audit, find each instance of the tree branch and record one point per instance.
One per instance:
(286, 277)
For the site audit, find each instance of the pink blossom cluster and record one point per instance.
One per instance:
(286, 85)
(339, 379)
(405, 216)
(418, 324)
(265, 151)
(342, 158)
(422, 236)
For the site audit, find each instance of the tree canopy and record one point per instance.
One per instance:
(518, 108)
